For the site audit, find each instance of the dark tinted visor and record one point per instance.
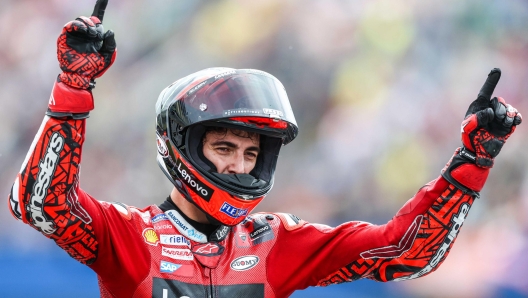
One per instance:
(235, 93)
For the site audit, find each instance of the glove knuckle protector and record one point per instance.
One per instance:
(487, 126)
(84, 53)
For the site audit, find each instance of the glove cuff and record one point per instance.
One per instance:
(68, 101)
(462, 172)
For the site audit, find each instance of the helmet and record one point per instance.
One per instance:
(244, 99)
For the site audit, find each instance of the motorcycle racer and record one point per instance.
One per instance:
(219, 134)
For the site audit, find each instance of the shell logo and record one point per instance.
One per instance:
(150, 236)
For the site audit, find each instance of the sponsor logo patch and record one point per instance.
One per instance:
(233, 211)
(150, 236)
(262, 232)
(168, 267)
(244, 263)
(159, 217)
(47, 167)
(458, 220)
(197, 87)
(208, 249)
(177, 253)
(192, 182)
(224, 74)
(162, 227)
(242, 239)
(162, 147)
(174, 240)
(272, 112)
(242, 111)
(220, 233)
(194, 234)
(177, 269)
(184, 227)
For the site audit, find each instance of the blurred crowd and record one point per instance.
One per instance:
(378, 87)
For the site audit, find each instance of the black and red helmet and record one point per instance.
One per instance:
(244, 99)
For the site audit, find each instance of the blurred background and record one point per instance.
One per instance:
(378, 87)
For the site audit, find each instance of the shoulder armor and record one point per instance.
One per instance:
(123, 209)
(290, 221)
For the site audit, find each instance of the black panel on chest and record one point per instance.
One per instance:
(254, 231)
(167, 288)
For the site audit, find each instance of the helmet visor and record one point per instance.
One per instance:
(235, 93)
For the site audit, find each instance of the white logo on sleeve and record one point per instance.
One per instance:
(458, 220)
(47, 167)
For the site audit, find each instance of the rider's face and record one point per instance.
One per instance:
(232, 152)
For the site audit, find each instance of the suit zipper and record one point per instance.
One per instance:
(209, 272)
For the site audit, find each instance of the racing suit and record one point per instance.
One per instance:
(155, 252)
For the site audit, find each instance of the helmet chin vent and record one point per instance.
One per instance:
(245, 180)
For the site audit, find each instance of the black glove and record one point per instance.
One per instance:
(488, 124)
(84, 51)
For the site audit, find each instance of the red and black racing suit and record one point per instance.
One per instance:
(151, 253)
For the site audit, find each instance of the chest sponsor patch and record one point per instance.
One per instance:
(242, 239)
(162, 227)
(208, 254)
(259, 232)
(174, 240)
(177, 253)
(176, 269)
(244, 263)
(184, 227)
(159, 218)
(208, 249)
(150, 236)
(262, 232)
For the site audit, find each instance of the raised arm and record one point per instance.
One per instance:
(46, 192)
(418, 239)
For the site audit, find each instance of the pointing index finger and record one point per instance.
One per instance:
(489, 86)
(99, 9)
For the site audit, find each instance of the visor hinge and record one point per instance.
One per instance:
(178, 136)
